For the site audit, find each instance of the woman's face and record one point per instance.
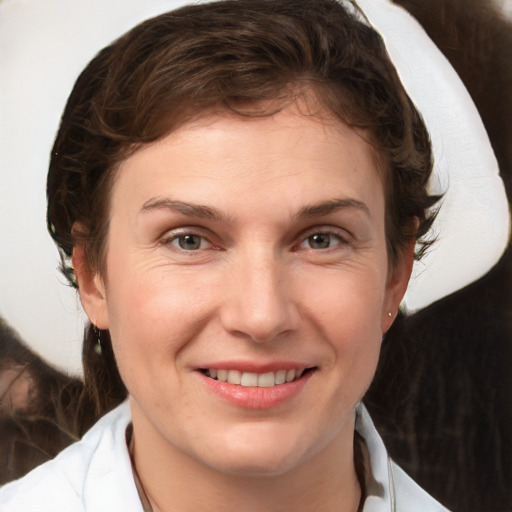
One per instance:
(252, 250)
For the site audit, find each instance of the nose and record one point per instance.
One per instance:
(259, 304)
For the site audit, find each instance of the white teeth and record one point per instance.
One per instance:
(281, 377)
(234, 376)
(266, 380)
(248, 379)
(290, 375)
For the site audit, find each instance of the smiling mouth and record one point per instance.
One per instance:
(260, 380)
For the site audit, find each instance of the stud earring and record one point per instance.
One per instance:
(389, 314)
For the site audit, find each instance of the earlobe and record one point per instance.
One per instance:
(91, 289)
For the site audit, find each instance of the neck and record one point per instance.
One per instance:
(173, 480)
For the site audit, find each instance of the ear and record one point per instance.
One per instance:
(91, 289)
(398, 279)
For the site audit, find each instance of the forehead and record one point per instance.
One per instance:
(224, 157)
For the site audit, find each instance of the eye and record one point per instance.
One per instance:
(321, 240)
(189, 242)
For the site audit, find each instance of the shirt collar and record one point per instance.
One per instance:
(380, 495)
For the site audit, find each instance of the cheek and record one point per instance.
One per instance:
(149, 319)
(147, 335)
(349, 301)
(348, 312)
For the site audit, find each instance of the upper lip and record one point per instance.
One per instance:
(256, 367)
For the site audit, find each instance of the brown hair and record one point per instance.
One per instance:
(230, 55)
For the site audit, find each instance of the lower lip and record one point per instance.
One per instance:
(255, 397)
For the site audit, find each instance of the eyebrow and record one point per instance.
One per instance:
(193, 210)
(327, 207)
(208, 212)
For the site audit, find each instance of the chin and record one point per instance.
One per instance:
(256, 465)
(259, 455)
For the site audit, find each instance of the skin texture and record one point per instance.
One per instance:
(257, 291)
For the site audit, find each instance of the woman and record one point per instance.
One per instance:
(240, 187)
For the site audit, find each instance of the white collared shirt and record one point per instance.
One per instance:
(95, 475)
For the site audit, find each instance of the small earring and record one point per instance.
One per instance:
(97, 347)
(389, 314)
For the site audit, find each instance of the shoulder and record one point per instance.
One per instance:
(84, 477)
